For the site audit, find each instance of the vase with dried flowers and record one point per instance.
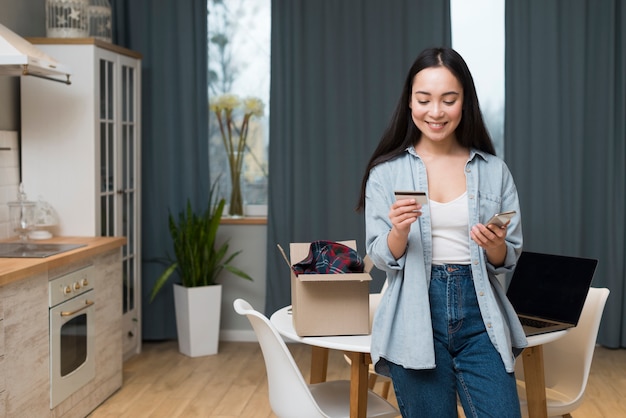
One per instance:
(234, 136)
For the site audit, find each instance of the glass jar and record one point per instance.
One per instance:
(22, 214)
(67, 18)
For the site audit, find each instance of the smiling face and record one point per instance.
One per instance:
(436, 104)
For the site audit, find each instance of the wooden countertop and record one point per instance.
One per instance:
(14, 269)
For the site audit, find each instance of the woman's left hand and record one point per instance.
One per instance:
(492, 239)
(489, 236)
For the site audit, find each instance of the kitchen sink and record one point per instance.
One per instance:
(34, 250)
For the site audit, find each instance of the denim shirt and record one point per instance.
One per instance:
(402, 328)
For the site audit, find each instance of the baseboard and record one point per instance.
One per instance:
(241, 335)
(238, 335)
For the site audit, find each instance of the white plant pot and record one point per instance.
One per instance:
(198, 319)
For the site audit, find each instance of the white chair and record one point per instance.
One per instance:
(290, 396)
(567, 361)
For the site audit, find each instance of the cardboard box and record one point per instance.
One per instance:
(329, 304)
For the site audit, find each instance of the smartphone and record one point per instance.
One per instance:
(420, 197)
(500, 219)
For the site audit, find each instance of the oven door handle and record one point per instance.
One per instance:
(88, 303)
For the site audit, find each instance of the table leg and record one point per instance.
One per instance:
(358, 384)
(319, 364)
(535, 382)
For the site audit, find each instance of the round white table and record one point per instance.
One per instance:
(357, 347)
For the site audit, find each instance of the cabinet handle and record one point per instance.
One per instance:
(88, 303)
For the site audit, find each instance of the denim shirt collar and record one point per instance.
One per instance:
(473, 153)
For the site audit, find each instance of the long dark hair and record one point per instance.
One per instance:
(402, 133)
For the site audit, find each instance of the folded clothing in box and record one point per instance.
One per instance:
(328, 257)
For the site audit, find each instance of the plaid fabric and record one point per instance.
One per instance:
(327, 257)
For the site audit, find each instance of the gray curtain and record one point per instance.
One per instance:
(172, 36)
(337, 71)
(565, 135)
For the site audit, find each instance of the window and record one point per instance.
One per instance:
(478, 35)
(239, 63)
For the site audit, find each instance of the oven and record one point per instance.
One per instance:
(72, 335)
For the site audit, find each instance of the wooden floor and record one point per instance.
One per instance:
(161, 382)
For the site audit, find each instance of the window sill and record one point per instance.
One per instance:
(246, 220)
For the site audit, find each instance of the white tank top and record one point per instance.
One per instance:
(449, 222)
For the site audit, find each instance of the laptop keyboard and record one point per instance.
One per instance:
(536, 323)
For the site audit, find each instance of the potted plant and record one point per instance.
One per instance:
(199, 260)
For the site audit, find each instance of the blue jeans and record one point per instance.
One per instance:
(468, 365)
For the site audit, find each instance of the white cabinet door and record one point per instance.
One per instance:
(81, 152)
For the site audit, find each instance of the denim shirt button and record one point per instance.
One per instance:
(489, 325)
(482, 293)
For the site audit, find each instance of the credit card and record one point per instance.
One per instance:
(420, 197)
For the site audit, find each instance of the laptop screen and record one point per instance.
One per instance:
(551, 286)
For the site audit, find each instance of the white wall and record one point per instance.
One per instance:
(26, 18)
(251, 240)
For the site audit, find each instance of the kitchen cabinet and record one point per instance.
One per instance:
(24, 299)
(81, 153)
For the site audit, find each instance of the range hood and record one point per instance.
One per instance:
(19, 57)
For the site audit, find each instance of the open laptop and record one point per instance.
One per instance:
(548, 291)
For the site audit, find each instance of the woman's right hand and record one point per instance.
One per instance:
(402, 214)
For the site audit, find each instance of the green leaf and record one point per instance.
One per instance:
(161, 280)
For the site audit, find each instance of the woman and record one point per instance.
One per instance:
(444, 327)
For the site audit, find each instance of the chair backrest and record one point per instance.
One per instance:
(567, 361)
(288, 392)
